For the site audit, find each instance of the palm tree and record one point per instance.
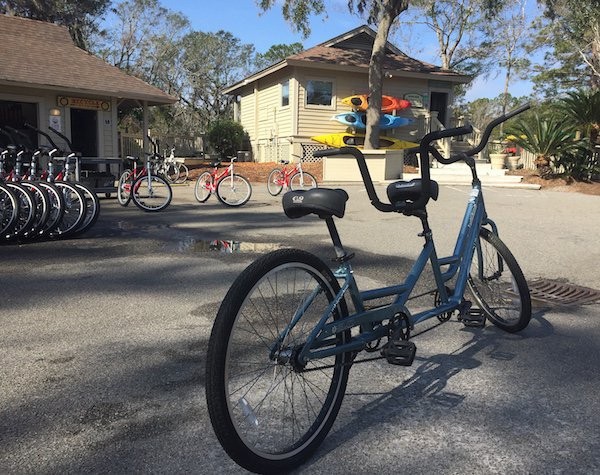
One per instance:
(546, 136)
(583, 110)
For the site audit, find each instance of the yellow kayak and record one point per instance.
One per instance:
(343, 139)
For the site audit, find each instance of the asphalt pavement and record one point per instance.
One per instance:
(103, 342)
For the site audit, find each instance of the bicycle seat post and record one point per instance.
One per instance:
(340, 252)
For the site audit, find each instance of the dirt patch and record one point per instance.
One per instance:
(558, 183)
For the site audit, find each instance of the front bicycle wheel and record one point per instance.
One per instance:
(74, 211)
(498, 285)
(302, 181)
(153, 194)
(124, 188)
(269, 411)
(275, 182)
(92, 208)
(9, 211)
(234, 190)
(202, 187)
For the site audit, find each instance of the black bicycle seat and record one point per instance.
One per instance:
(324, 202)
(400, 191)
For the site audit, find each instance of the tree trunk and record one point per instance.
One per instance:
(390, 10)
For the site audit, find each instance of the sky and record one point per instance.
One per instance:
(245, 21)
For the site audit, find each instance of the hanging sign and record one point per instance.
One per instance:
(415, 99)
(83, 103)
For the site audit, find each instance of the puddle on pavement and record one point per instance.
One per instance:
(221, 246)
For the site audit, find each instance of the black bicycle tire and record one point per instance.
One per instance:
(63, 231)
(10, 200)
(522, 289)
(42, 208)
(239, 203)
(140, 204)
(26, 213)
(58, 208)
(305, 174)
(92, 206)
(182, 178)
(218, 358)
(271, 182)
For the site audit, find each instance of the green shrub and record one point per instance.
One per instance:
(226, 137)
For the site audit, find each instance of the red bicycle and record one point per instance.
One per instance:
(293, 178)
(231, 189)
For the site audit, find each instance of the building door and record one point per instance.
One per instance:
(439, 103)
(84, 132)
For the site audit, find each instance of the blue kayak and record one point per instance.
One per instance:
(359, 120)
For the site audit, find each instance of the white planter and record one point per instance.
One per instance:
(513, 162)
(498, 160)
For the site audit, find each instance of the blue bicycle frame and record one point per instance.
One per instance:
(322, 341)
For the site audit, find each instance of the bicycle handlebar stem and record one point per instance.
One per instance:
(364, 171)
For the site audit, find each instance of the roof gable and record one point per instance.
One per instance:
(351, 51)
(42, 55)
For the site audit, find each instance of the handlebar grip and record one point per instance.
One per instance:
(327, 152)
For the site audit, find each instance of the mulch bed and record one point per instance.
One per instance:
(258, 172)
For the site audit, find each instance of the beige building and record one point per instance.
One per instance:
(46, 80)
(284, 105)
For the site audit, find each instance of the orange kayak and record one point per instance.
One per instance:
(388, 103)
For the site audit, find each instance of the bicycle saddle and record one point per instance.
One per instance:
(324, 202)
(410, 190)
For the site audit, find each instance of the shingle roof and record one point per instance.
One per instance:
(42, 55)
(360, 58)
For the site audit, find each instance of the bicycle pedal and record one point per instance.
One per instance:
(399, 352)
(473, 318)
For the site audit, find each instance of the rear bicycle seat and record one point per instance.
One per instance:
(324, 202)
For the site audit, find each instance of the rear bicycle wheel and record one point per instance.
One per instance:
(41, 211)
(183, 173)
(269, 411)
(275, 182)
(302, 181)
(124, 188)
(151, 193)
(202, 187)
(171, 173)
(497, 284)
(234, 191)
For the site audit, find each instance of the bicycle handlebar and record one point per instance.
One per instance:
(29, 126)
(425, 148)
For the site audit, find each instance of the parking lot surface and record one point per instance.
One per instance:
(103, 342)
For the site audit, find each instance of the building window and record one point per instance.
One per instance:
(319, 93)
(285, 93)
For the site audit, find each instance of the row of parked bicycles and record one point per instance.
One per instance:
(41, 203)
